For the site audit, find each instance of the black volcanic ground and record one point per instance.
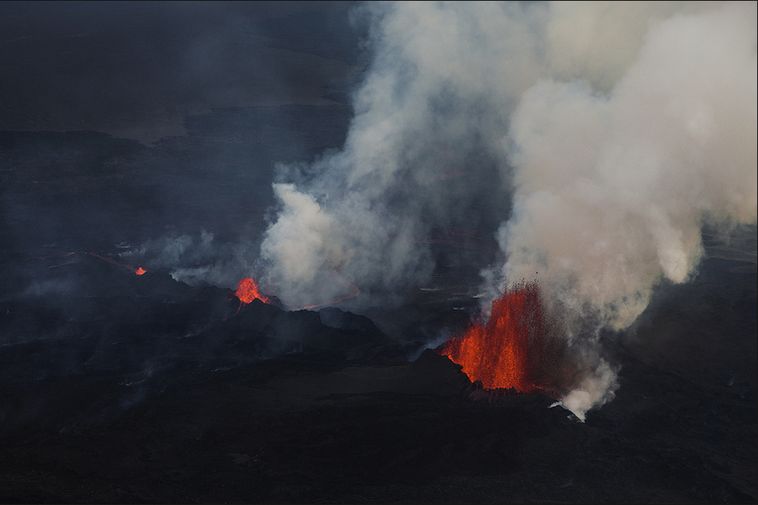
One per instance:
(118, 388)
(125, 389)
(160, 392)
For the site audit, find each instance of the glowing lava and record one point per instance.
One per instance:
(140, 271)
(247, 291)
(498, 353)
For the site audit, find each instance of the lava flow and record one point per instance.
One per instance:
(501, 352)
(140, 271)
(247, 291)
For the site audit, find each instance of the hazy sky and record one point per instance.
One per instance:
(135, 69)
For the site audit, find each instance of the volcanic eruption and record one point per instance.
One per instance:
(504, 351)
(247, 291)
(594, 166)
(463, 215)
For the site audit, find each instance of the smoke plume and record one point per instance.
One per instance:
(194, 260)
(609, 132)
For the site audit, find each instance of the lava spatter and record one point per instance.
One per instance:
(248, 290)
(499, 353)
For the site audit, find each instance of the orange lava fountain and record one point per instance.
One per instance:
(498, 353)
(247, 291)
(140, 271)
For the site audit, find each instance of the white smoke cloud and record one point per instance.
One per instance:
(611, 190)
(597, 41)
(596, 389)
(429, 106)
(618, 128)
(194, 260)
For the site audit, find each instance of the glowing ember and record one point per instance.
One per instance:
(140, 271)
(498, 353)
(247, 291)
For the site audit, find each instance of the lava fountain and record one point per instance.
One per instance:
(504, 352)
(247, 291)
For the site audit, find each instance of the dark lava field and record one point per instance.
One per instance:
(144, 389)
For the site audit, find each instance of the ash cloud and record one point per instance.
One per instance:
(615, 132)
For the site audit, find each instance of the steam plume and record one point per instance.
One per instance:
(617, 130)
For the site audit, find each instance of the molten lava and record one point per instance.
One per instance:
(501, 352)
(247, 291)
(140, 271)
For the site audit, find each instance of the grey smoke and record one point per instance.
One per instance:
(194, 260)
(618, 129)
